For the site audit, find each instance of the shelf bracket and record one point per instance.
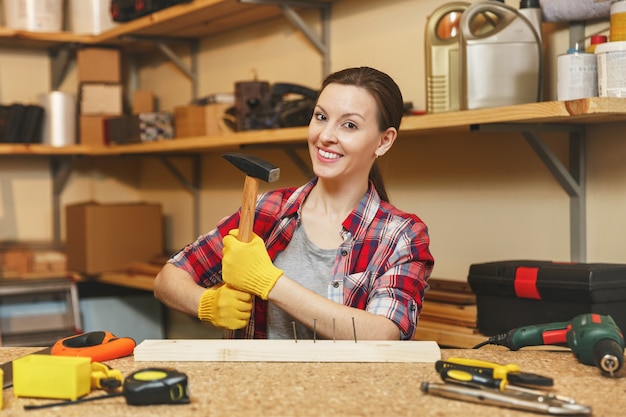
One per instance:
(192, 185)
(191, 72)
(61, 169)
(60, 59)
(161, 43)
(572, 180)
(320, 42)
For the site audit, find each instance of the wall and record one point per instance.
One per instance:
(484, 197)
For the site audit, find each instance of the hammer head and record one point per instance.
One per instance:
(253, 166)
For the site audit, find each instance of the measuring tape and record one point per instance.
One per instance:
(156, 386)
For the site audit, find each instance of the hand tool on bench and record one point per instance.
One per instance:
(255, 169)
(510, 373)
(144, 387)
(98, 345)
(538, 403)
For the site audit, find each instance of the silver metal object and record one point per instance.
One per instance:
(538, 402)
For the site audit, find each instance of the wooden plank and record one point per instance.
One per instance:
(591, 110)
(450, 297)
(463, 314)
(448, 338)
(434, 323)
(439, 284)
(255, 350)
(587, 110)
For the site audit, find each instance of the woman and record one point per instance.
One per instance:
(332, 259)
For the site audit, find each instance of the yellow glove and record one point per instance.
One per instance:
(247, 266)
(225, 307)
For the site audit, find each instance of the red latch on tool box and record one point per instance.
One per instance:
(525, 282)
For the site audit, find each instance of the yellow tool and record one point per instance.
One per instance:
(46, 376)
(510, 373)
(61, 377)
(104, 377)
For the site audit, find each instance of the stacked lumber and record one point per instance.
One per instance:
(449, 315)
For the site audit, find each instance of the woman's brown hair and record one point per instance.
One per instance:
(389, 102)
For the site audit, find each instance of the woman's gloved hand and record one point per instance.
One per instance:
(247, 266)
(225, 307)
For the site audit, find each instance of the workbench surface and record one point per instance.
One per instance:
(232, 389)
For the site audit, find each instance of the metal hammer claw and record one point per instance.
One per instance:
(255, 169)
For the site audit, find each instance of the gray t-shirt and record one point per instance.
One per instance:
(310, 267)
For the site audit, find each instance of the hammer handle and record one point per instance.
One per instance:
(248, 206)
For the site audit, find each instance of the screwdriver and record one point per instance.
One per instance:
(511, 373)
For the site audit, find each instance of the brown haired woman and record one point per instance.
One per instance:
(332, 255)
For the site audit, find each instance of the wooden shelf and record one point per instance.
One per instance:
(591, 110)
(193, 20)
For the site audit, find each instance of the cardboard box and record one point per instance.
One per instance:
(511, 294)
(101, 99)
(18, 260)
(108, 237)
(193, 121)
(99, 65)
(143, 101)
(92, 130)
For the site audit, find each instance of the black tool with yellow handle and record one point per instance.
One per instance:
(510, 373)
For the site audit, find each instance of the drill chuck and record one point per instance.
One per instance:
(608, 355)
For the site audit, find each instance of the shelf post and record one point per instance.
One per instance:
(572, 180)
(60, 168)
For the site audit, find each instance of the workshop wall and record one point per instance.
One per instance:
(484, 197)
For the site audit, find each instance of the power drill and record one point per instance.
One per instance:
(594, 339)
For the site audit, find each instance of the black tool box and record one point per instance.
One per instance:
(511, 294)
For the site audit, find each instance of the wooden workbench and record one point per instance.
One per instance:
(232, 389)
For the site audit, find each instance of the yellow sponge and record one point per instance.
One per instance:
(47, 376)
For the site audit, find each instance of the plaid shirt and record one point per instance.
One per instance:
(382, 265)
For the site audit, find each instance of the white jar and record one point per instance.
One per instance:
(611, 57)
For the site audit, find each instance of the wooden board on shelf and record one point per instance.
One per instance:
(586, 110)
(260, 350)
(592, 110)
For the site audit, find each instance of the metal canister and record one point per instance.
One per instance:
(577, 75)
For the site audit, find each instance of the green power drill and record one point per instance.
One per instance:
(594, 339)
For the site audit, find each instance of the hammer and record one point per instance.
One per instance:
(255, 169)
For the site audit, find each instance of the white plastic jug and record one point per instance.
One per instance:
(501, 57)
(443, 65)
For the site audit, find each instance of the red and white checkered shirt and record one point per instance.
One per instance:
(382, 266)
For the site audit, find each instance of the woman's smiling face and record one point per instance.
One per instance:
(343, 134)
